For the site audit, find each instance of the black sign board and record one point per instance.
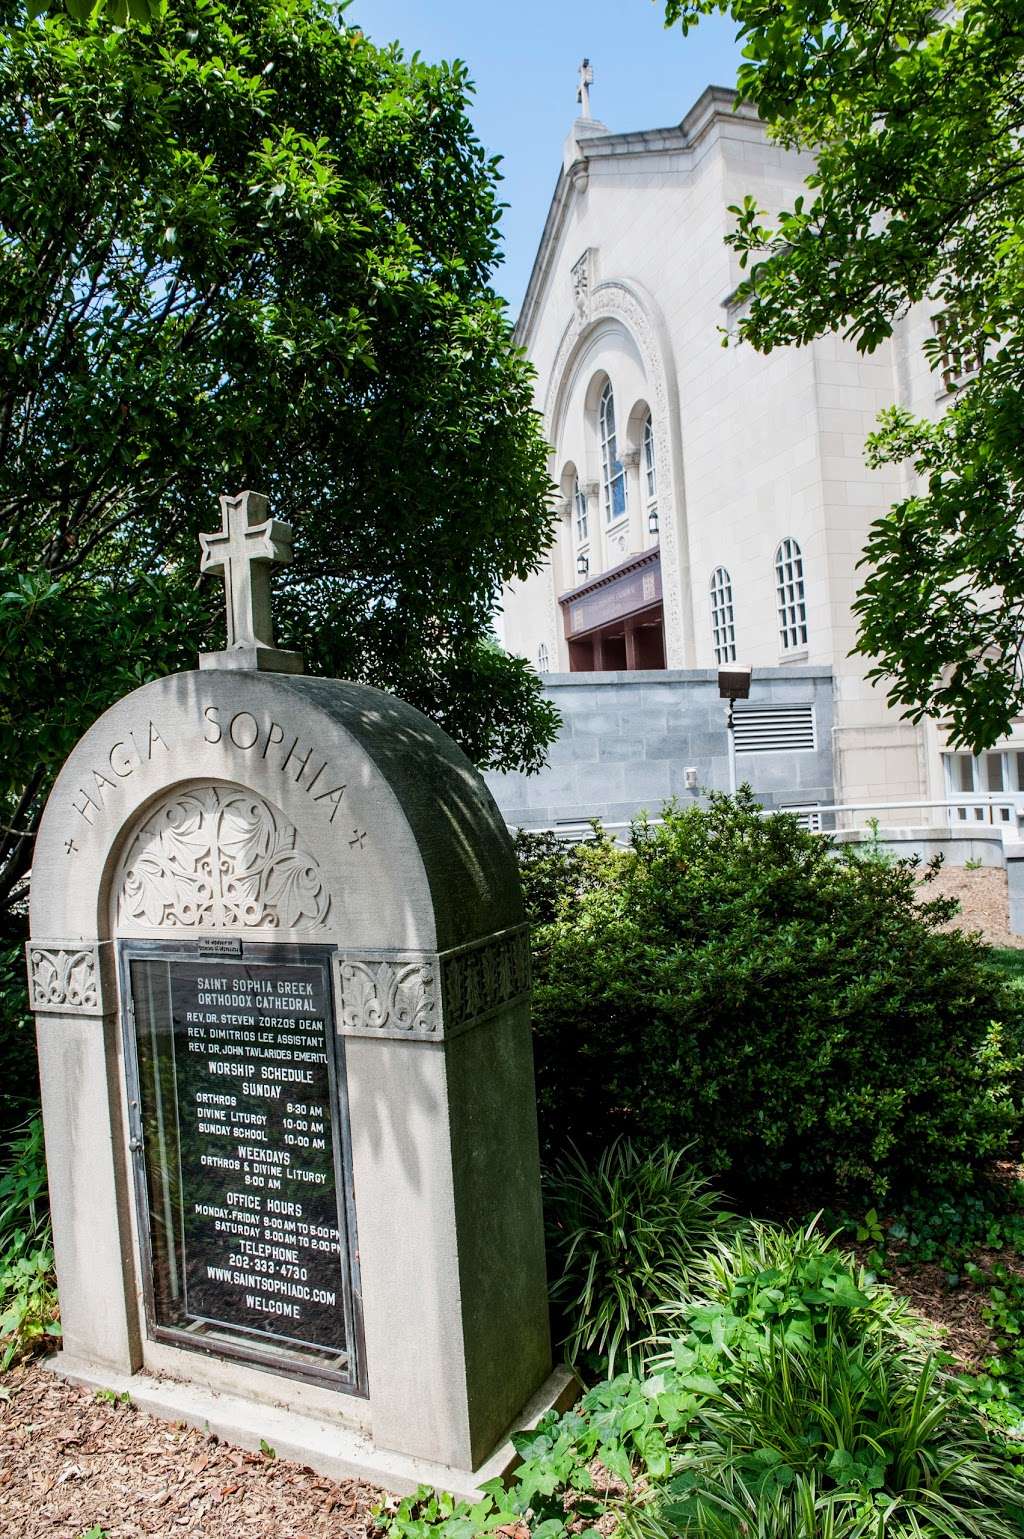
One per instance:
(243, 1157)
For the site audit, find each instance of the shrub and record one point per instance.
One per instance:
(28, 1292)
(732, 981)
(551, 869)
(794, 1402)
(835, 1437)
(624, 1236)
(19, 1069)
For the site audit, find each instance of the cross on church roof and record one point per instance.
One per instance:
(586, 80)
(242, 551)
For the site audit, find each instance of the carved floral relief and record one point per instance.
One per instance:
(481, 978)
(218, 857)
(389, 995)
(64, 978)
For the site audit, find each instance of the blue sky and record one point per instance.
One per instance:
(524, 58)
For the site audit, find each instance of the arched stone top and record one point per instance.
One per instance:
(629, 304)
(640, 317)
(599, 378)
(397, 841)
(633, 432)
(218, 857)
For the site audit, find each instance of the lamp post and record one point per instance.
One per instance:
(733, 685)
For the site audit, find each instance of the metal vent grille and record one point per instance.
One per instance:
(807, 817)
(774, 728)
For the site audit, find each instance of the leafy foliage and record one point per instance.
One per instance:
(19, 1069)
(28, 1295)
(624, 1236)
(733, 981)
(263, 259)
(792, 1402)
(795, 1281)
(550, 868)
(915, 116)
(839, 1438)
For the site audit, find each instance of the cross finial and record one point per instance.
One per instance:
(586, 79)
(243, 551)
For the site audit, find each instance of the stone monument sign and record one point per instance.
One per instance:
(281, 982)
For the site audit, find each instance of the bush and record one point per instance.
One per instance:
(732, 981)
(19, 1068)
(624, 1236)
(793, 1402)
(28, 1291)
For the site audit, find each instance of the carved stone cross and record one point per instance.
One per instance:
(583, 92)
(243, 551)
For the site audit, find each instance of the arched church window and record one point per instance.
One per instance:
(650, 476)
(792, 602)
(723, 622)
(612, 468)
(543, 658)
(581, 517)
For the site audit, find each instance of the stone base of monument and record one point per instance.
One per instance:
(329, 1448)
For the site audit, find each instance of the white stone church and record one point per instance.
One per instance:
(713, 502)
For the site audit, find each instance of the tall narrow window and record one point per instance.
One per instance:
(789, 588)
(580, 515)
(543, 659)
(723, 624)
(650, 476)
(612, 468)
(959, 358)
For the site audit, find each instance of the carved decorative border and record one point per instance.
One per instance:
(65, 977)
(430, 996)
(389, 995)
(216, 857)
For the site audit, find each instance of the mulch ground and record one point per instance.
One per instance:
(959, 1312)
(983, 902)
(70, 1463)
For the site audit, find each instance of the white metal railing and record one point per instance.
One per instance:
(982, 809)
(1000, 809)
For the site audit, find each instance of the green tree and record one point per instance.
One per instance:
(247, 247)
(915, 113)
(119, 12)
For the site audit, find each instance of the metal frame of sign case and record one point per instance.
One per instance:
(258, 1353)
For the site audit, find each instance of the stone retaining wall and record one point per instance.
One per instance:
(627, 740)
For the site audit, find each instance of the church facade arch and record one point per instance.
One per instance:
(628, 306)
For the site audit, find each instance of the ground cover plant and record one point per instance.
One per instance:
(624, 1234)
(28, 1292)
(733, 981)
(960, 1257)
(795, 1398)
